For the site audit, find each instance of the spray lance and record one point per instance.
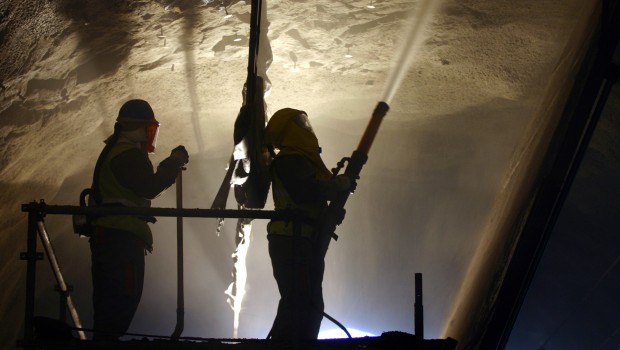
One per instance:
(333, 214)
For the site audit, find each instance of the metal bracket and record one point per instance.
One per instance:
(35, 207)
(340, 165)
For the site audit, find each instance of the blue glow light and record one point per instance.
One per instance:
(337, 333)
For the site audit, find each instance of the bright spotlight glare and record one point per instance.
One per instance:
(337, 333)
(348, 56)
(371, 6)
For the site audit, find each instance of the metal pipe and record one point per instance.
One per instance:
(41, 207)
(418, 308)
(178, 329)
(62, 302)
(31, 256)
(373, 127)
(51, 257)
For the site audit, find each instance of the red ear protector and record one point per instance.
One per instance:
(152, 130)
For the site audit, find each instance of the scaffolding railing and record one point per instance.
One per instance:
(38, 210)
(62, 285)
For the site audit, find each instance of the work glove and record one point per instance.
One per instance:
(180, 154)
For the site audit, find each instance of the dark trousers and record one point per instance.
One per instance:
(117, 259)
(298, 270)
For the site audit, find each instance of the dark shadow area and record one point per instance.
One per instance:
(54, 335)
(580, 301)
(191, 18)
(106, 34)
(571, 155)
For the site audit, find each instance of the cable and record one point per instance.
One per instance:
(337, 324)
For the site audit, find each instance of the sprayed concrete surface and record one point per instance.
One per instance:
(455, 132)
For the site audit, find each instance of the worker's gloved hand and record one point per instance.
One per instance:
(180, 154)
(342, 182)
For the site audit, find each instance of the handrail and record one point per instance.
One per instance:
(44, 209)
(38, 210)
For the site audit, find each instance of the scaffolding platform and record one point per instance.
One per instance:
(387, 341)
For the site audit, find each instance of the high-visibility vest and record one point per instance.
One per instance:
(113, 193)
(310, 212)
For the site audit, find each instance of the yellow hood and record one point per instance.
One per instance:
(293, 135)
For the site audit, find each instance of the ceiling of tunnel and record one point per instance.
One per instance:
(443, 157)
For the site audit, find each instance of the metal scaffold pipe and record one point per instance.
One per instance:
(43, 208)
(51, 257)
(419, 308)
(178, 329)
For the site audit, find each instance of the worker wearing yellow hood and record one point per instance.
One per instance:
(300, 182)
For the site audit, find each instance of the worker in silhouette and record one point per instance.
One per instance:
(300, 182)
(124, 176)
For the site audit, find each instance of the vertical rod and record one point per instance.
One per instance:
(255, 15)
(180, 293)
(31, 257)
(419, 309)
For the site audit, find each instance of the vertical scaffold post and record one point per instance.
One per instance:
(418, 308)
(31, 256)
(178, 329)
